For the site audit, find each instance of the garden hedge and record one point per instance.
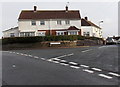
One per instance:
(35, 39)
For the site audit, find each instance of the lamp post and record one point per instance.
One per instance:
(100, 23)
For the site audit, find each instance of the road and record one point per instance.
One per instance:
(64, 66)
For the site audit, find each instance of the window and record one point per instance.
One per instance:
(72, 33)
(59, 22)
(41, 34)
(86, 33)
(33, 22)
(27, 34)
(42, 22)
(67, 22)
(12, 35)
(60, 33)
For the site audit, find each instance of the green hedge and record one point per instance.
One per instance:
(45, 38)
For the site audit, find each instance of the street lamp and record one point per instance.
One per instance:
(100, 30)
(100, 23)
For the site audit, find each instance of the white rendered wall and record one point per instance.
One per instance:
(25, 25)
(7, 33)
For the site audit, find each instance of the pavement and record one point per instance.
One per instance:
(97, 65)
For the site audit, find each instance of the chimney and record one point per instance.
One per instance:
(35, 8)
(86, 18)
(66, 8)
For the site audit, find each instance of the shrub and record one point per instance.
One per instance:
(35, 39)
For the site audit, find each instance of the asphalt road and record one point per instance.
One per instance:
(64, 66)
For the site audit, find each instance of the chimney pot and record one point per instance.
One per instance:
(86, 18)
(35, 8)
(66, 8)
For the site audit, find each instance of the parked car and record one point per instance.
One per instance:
(110, 41)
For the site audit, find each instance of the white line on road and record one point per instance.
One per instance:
(115, 74)
(30, 55)
(63, 60)
(73, 63)
(56, 59)
(86, 50)
(25, 54)
(64, 64)
(96, 69)
(14, 52)
(84, 66)
(76, 67)
(36, 57)
(43, 58)
(89, 71)
(21, 54)
(64, 55)
(17, 53)
(105, 76)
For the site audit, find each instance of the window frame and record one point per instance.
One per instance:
(33, 23)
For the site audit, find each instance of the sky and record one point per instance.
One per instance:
(96, 11)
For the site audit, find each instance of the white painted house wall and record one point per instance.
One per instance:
(96, 32)
(7, 33)
(51, 24)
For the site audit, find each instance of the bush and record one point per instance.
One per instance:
(35, 39)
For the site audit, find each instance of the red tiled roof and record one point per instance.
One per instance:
(50, 14)
(73, 28)
(85, 22)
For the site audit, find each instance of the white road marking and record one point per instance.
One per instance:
(102, 46)
(21, 54)
(13, 52)
(63, 60)
(73, 63)
(64, 55)
(89, 71)
(64, 64)
(76, 67)
(96, 69)
(30, 55)
(105, 76)
(50, 60)
(86, 50)
(36, 57)
(25, 54)
(56, 59)
(13, 66)
(43, 58)
(17, 53)
(115, 74)
(84, 66)
(10, 52)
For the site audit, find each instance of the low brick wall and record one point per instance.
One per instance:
(47, 44)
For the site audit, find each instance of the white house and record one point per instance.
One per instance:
(49, 22)
(13, 32)
(90, 29)
(53, 22)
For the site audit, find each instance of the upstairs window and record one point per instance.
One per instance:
(42, 22)
(59, 22)
(33, 22)
(67, 22)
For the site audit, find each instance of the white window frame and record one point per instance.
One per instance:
(59, 22)
(42, 22)
(60, 33)
(41, 33)
(73, 33)
(67, 22)
(33, 23)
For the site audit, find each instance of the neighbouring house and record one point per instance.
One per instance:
(13, 32)
(49, 22)
(90, 29)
